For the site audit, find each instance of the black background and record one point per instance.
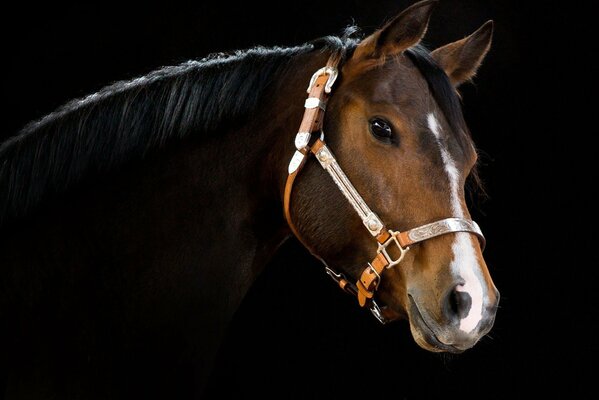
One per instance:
(530, 114)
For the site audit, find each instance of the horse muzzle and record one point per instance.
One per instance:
(446, 334)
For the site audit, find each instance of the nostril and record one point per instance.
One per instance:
(457, 305)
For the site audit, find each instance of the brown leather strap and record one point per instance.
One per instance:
(311, 123)
(385, 314)
(370, 279)
(383, 236)
(317, 146)
(287, 198)
(404, 239)
(314, 113)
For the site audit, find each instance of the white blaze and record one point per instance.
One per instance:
(464, 263)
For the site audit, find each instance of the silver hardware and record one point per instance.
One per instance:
(295, 162)
(448, 225)
(377, 312)
(373, 224)
(335, 276)
(378, 281)
(324, 156)
(383, 250)
(331, 72)
(314, 102)
(370, 220)
(302, 139)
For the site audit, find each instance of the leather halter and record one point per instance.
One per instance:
(392, 245)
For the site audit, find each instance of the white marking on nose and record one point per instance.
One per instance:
(464, 264)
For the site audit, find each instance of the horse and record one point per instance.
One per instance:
(151, 206)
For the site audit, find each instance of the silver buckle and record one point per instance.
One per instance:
(331, 72)
(378, 276)
(383, 250)
(377, 312)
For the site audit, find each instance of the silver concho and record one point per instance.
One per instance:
(302, 139)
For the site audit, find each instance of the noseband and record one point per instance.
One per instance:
(392, 245)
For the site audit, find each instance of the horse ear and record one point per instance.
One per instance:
(403, 31)
(460, 60)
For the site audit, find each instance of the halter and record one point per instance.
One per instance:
(392, 245)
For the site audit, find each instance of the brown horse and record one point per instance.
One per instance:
(150, 207)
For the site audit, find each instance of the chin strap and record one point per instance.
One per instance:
(392, 245)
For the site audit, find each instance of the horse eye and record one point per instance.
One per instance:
(381, 130)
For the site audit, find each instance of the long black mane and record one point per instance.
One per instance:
(128, 119)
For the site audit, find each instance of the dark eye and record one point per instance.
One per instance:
(381, 130)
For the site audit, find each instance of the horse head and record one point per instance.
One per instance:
(395, 125)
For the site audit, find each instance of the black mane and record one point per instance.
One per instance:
(128, 119)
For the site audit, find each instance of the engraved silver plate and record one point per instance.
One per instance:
(448, 225)
(295, 162)
(330, 164)
(301, 140)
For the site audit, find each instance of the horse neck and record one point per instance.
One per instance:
(173, 242)
(208, 207)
